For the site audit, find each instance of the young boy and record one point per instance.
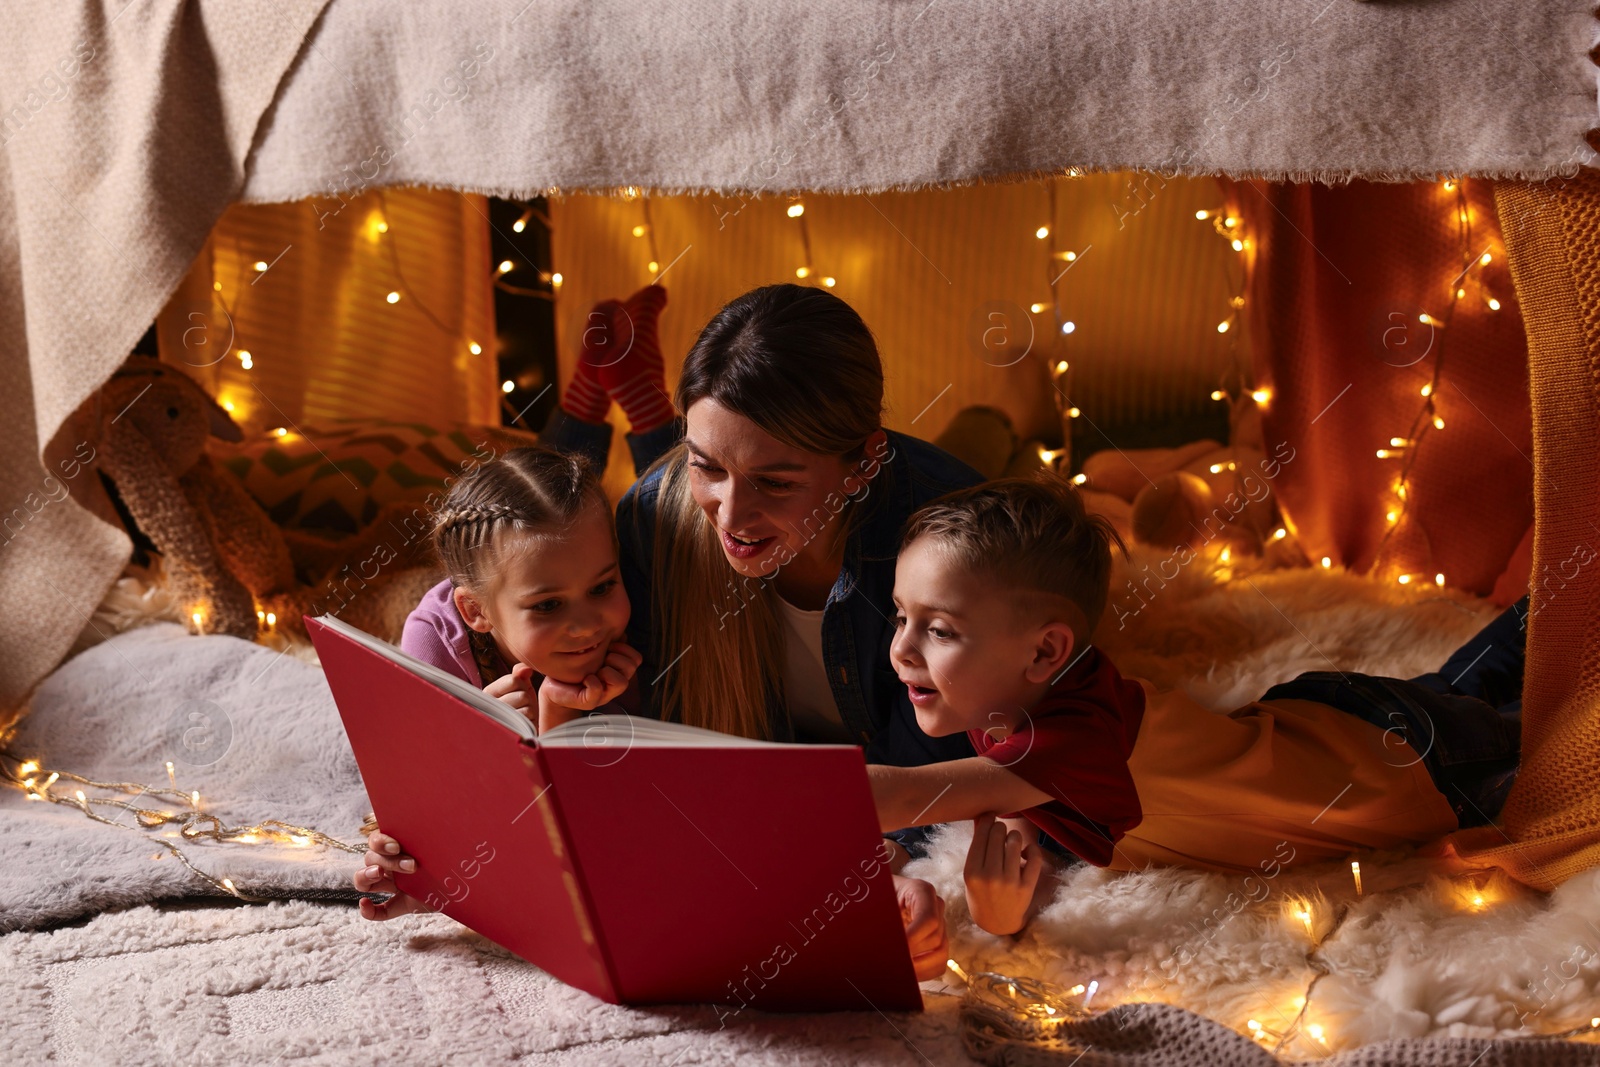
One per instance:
(997, 590)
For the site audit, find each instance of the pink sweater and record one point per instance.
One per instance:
(435, 633)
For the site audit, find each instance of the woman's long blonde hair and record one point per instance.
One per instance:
(799, 363)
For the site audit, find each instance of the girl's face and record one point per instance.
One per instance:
(557, 602)
(769, 502)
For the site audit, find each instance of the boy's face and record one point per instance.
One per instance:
(969, 658)
(557, 603)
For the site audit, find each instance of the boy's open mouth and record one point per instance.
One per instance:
(744, 547)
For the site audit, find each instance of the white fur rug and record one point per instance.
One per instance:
(1412, 958)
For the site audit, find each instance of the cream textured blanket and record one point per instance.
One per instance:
(126, 128)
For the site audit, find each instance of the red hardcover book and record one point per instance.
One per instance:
(641, 861)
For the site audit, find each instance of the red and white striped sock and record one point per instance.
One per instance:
(635, 376)
(585, 397)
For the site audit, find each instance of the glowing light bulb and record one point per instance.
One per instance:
(382, 227)
(796, 210)
(1225, 555)
(217, 286)
(474, 347)
(519, 225)
(1398, 442)
(1404, 579)
(1230, 222)
(1222, 327)
(638, 231)
(1036, 308)
(1261, 396)
(1384, 453)
(272, 618)
(1218, 394)
(245, 359)
(228, 882)
(1073, 413)
(1238, 245)
(1068, 326)
(1251, 1024)
(1080, 479)
(1355, 872)
(1216, 468)
(1428, 320)
(1460, 293)
(1315, 1030)
(555, 279)
(393, 298)
(1438, 423)
(1326, 562)
(1392, 515)
(506, 266)
(280, 431)
(260, 266)
(1061, 367)
(1448, 184)
(28, 768)
(198, 617)
(1427, 390)
(830, 281)
(1494, 305)
(1280, 533)
(1042, 232)
(507, 386)
(802, 272)
(1438, 579)
(1202, 215)
(652, 266)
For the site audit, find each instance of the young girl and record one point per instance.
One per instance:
(533, 609)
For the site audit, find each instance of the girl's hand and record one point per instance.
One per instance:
(383, 858)
(559, 700)
(922, 913)
(1002, 872)
(515, 689)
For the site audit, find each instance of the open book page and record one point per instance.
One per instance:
(498, 710)
(622, 731)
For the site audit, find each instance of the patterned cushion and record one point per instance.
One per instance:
(332, 479)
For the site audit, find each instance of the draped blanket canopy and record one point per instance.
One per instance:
(126, 130)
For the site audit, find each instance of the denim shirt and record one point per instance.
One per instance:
(857, 620)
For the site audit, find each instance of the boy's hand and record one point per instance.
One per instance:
(922, 912)
(383, 858)
(515, 689)
(1002, 872)
(561, 702)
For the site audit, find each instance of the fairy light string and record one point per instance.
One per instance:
(190, 821)
(1406, 448)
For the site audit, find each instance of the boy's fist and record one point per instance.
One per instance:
(1002, 872)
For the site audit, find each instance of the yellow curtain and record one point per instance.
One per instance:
(928, 270)
(329, 308)
(1550, 828)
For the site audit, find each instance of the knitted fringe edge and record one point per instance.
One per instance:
(1326, 176)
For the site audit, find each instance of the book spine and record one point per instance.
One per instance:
(555, 828)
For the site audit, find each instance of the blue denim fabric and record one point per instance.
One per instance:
(1464, 720)
(857, 620)
(593, 440)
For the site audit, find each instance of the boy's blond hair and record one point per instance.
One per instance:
(1030, 533)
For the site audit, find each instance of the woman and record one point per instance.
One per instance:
(758, 553)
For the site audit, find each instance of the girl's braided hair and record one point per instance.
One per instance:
(531, 490)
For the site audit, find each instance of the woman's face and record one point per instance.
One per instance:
(770, 502)
(557, 602)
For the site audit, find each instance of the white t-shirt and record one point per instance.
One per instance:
(812, 708)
